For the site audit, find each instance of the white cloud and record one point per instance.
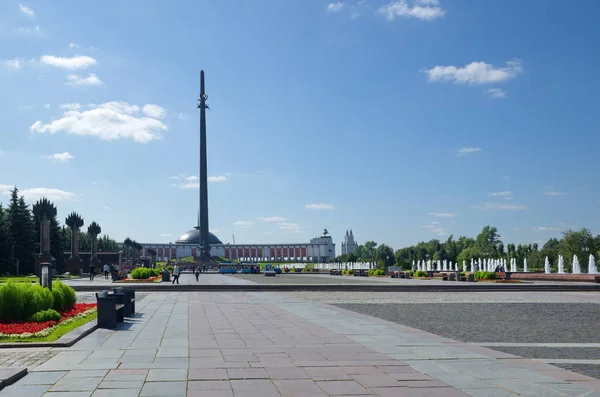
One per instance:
(547, 229)
(335, 7)
(182, 116)
(13, 63)
(92, 79)
(106, 208)
(468, 150)
(165, 234)
(242, 224)
(506, 193)
(107, 121)
(552, 193)
(476, 73)
(73, 63)
(496, 93)
(435, 223)
(34, 30)
(442, 214)
(426, 10)
(273, 219)
(39, 192)
(288, 226)
(191, 178)
(26, 10)
(500, 206)
(508, 198)
(70, 106)
(154, 111)
(73, 45)
(219, 178)
(320, 206)
(354, 15)
(61, 157)
(47, 106)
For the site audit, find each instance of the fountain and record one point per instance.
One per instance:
(592, 265)
(525, 270)
(445, 265)
(561, 265)
(576, 266)
(472, 266)
(547, 266)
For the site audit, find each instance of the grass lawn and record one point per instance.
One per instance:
(27, 279)
(59, 331)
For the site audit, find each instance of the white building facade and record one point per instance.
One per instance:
(349, 245)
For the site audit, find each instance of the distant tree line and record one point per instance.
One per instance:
(20, 238)
(486, 245)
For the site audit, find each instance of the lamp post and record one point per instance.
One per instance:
(46, 275)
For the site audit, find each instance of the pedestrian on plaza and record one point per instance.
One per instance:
(106, 271)
(92, 270)
(197, 274)
(176, 273)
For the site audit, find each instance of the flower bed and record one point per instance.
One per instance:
(26, 329)
(145, 280)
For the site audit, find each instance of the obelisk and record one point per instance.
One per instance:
(203, 221)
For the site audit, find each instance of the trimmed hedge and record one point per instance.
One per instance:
(420, 273)
(45, 315)
(142, 273)
(19, 301)
(64, 296)
(485, 275)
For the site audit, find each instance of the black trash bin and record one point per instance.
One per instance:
(430, 273)
(166, 277)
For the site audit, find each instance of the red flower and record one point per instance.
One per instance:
(24, 327)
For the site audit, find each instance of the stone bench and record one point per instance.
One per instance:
(128, 300)
(110, 311)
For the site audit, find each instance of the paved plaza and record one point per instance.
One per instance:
(242, 344)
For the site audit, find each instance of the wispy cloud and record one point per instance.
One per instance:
(288, 226)
(496, 93)
(92, 79)
(242, 224)
(475, 73)
(39, 192)
(506, 193)
(31, 30)
(273, 219)
(547, 229)
(26, 10)
(108, 121)
(72, 63)
(468, 150)
(217, 178)
(500, 206)
(335, 7)
(442, 214)
(320, 206)
(13, 63)
(60, 157)
(426, 10)
(73, 45)
(553, 193)
(165, 235)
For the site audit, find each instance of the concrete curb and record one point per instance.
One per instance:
(66, 340)
(456, 287)
(8, 376)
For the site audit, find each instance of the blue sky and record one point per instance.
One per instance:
(404, 120)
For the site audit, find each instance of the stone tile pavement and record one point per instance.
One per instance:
(260, 344)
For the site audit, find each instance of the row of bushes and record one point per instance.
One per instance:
(21, 301)
(485, 275)
(142, 273)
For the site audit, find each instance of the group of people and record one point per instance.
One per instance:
(107, 269)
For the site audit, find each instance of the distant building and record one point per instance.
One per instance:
(349, 245)
(320, 249)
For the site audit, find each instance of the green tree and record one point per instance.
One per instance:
(6, 259)
(580, 243)
(22, 232)
(385, 255)
(488, 242)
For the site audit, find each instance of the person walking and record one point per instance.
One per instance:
(197, 274)
(92, 270)
(176, 272)
(106, 271)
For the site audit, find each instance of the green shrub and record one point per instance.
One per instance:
(481, 275)
(420, 273)
(18, 301)
(409, 272)
(45, 315)
(379, 272)
(64, 296)
(144, 274)
(170, 268)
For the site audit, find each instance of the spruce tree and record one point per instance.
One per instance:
(6, 259)
(22, 231)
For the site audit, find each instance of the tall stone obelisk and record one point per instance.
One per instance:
(203, 221)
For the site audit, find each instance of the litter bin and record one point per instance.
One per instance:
(166, 277)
